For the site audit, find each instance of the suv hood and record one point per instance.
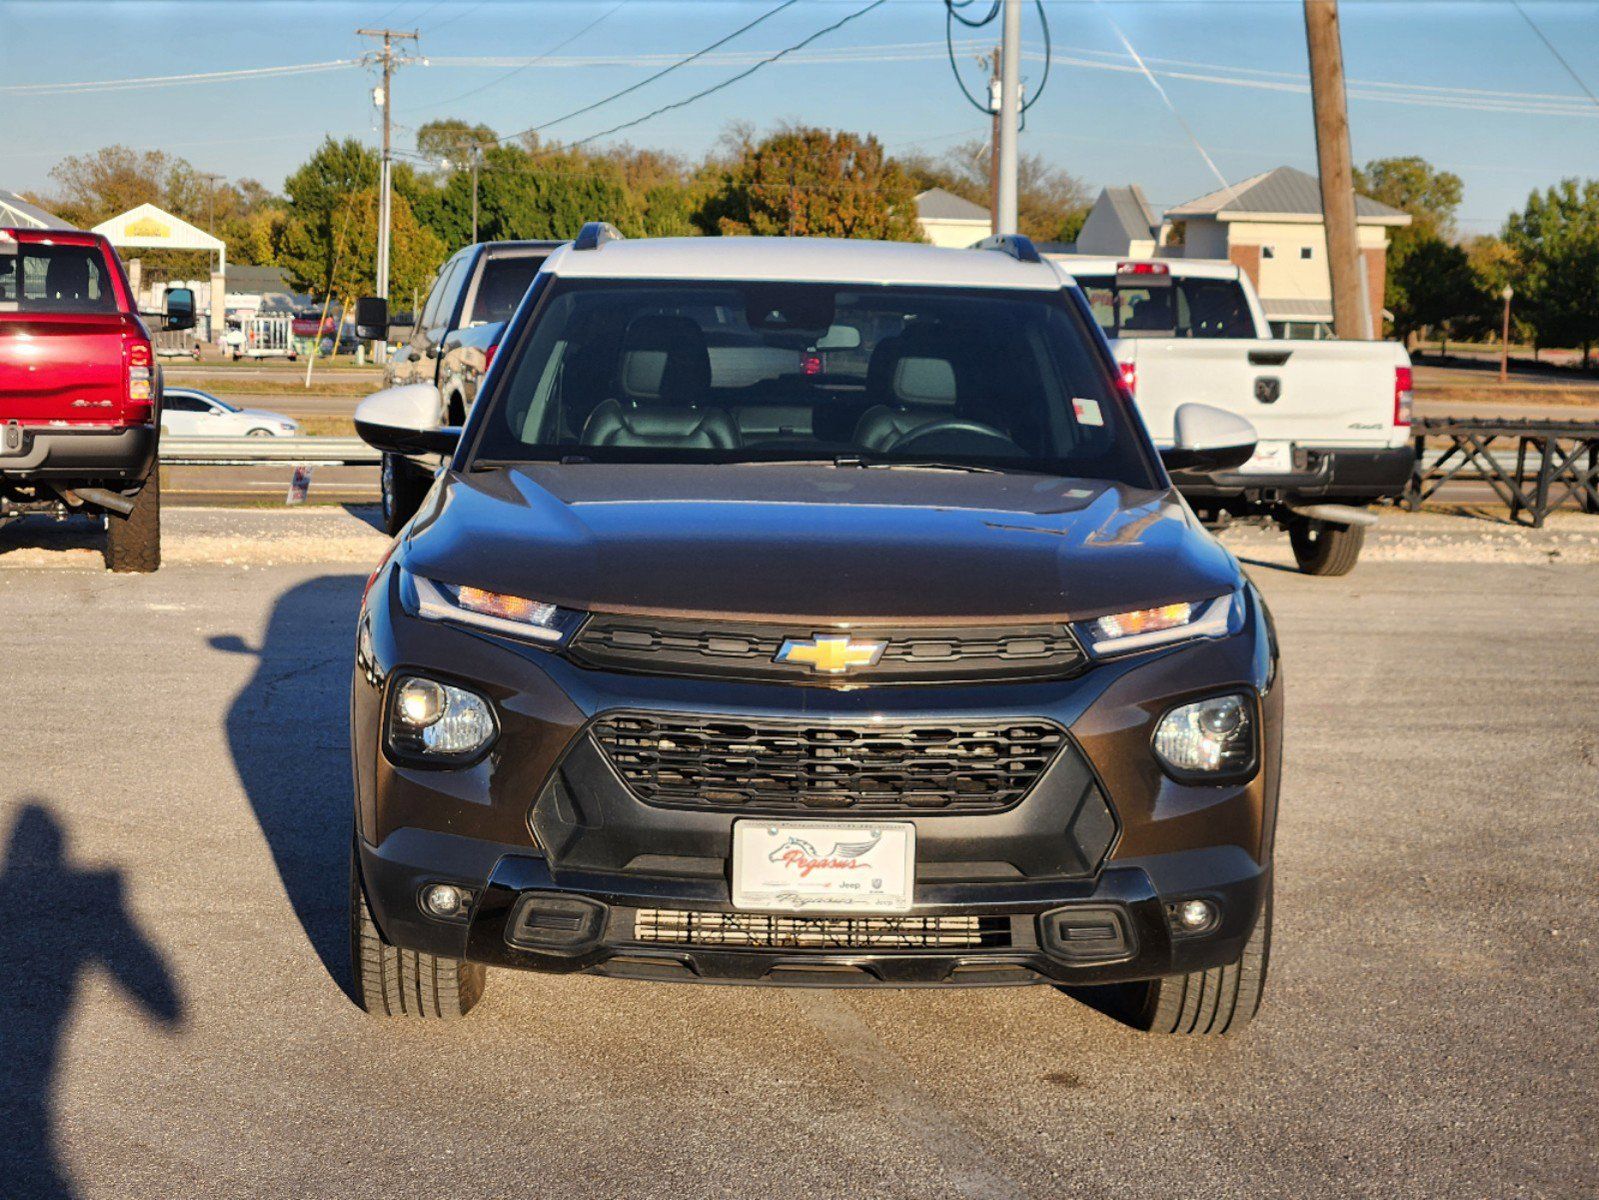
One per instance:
(815, 543)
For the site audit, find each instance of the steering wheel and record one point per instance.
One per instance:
(956, 435)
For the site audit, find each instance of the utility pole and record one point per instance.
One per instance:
(213, 180)
(1351, 299)
(383, 97)
(1010, 112)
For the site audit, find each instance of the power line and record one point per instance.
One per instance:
(153, 81)
(732, 79)
(1560, 58)
(531, 62)
(683, 62)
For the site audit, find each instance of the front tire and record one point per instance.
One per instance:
(403, 485)
(1220, 1000)
(1322, 548)
(133, 542)
(387, 981)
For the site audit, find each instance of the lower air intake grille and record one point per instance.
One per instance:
(759, 931)
(882, 767)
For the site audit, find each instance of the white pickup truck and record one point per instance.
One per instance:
(1333, 416)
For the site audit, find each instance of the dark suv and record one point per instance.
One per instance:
(819, 613)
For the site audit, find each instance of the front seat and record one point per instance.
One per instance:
(663, 377)
(66, 277)
(921, 385)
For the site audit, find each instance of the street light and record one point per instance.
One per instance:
(1504, 339)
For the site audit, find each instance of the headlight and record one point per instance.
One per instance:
(433, 720)
(514, 616)
(1209, 738)
(1143, 628)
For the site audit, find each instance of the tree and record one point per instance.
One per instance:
(321, 195)
(1415, 186)
(548, 194)
(349, 269)
(809, 182)
(1555, 241)
(1435, 286)
(1051, 204)
(452, 139)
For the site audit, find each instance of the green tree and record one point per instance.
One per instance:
(1435, 286)
(548, 194)
(1555, 243)
(350, 269)
(1414, 185)
(452, 139)
(809, 182)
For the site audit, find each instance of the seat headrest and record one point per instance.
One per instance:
(923, 382)
(67, 277)
(664, 361)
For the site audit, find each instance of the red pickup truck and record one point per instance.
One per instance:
(80, 390)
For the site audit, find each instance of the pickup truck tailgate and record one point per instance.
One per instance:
(64, 367)
(1323, 393)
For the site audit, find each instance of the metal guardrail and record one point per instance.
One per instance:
(1534, 466)
(255, 451)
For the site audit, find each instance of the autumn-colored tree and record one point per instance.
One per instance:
(1051, 204)
(809, 182)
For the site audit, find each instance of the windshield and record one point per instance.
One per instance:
(505, 281)
(1187, 306)
(36, 277)
(731, 372)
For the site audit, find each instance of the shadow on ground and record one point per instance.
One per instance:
(288, 732)
(46, 533)
(62, 921)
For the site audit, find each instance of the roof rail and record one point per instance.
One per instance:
(595, 234)
(1014, 244)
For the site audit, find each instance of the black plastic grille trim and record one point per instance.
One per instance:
(745, 651)
(793, 766)
(761, 931)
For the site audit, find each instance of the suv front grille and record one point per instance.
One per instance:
(747, 651)
(763, 932)
(771, 765)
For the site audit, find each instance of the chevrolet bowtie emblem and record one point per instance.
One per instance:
(830, 655)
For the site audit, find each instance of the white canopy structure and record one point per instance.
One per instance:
(150, 228)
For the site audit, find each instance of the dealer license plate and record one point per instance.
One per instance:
(1270, 458)
(832, 866)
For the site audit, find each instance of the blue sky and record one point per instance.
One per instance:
(1469, 86)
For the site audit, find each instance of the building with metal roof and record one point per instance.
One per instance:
(18, 213)
(950, 220)
(1120, 223)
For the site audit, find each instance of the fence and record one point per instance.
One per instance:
(1535, 467)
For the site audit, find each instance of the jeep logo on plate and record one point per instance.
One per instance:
(1268, 389)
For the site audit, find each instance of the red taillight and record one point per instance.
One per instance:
(810, 363)
(1130, 379)
(488, 357)
(141, 386)
(1143, 268)
(1402, 396)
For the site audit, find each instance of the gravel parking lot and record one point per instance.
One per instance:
(174, 819)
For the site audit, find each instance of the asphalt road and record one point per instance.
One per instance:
(174, 808)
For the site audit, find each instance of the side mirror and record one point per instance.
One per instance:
(405, 420)
(371, 318)
(179, 312)
(1209, 439)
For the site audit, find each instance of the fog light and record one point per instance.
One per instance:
(1192, 916)
(445, 900)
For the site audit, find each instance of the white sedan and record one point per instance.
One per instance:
(186, 412)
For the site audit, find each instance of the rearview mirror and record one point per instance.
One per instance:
(179, 312)
(405, 420)
(1209, 439)
(372, 318)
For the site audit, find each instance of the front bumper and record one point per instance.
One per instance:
(83, 456)
(1056, 932)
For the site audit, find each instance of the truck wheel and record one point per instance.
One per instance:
(390, 982)
(1221, 1000)
(403, 485)
(133, 542)
(1322, 548)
